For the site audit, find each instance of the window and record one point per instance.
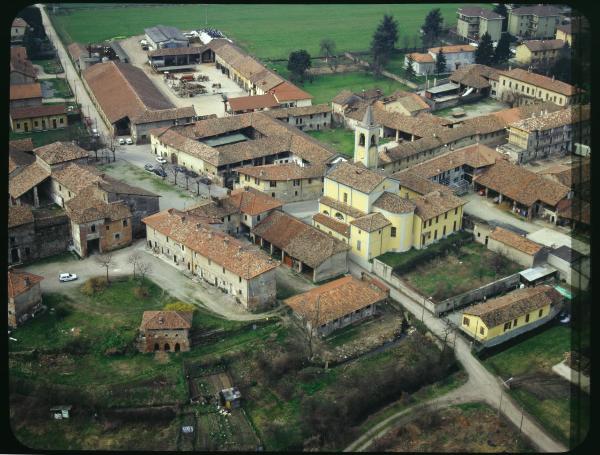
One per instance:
(444, 231)
(245, 217)
(527, 317)
(124, 223)
(296, 182)
(436, 219)
(272, 194)
(481, 330)
(107, 227)
(240, 280)
(258, 218)
(506, 326)
(182, 248)
(61, 121)
(393, 233)
(345, 198)
(117, 236)
(466, 321)
(309, 181)
(456, 210)
(541, 313)
(209, 262)
(358, 245)
(35, 123)
(93, 228)
(454, 226)
(446, 215)
(515, 322)
(435, 235)
(223, 269)
(272, 183)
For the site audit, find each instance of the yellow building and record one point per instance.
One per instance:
(539, 52)
(502, 318)
(529, 85)
(437, 215)
(565, 33)
(38, 118)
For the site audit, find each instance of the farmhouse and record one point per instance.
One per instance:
(456, 56)
(474, 22)
(24, 296)
(500, 319)
(187, 243)
(161, 36)
(535, 21)
(527, 193)
(128, 101)
(339, 303)
(305, 118)
(518, 83)
(166, 331)
(288, 182)
(38, 118)
(245, 104)
(539, 52)
(303, 248)
(25, 95)
(216, 147)
(515, 247)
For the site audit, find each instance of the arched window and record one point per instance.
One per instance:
(167, 347)
(373, 142)
(361, 140)
(156, 347)
(93, 228)
(325, 212)
(177, 348)
(339, 216)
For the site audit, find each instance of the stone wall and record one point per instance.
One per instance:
(334, 266)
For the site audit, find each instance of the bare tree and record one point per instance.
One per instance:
(144, 268)
(327, 47)
(187, 180)
(314, 325)
(112, 145)
(175, 171)
(106, 261)
(134, 259)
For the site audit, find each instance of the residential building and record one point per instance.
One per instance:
(161, 36)
(405, 103)
(288, 182)
(25, 95)
(245, 104)
(474, 22)
(534, 21)
(303, 248)
(17, 30)
(423, 63)
(129, 103)
(572, 266)
(539, 52)
(437, 215)
(412, 185)
(548, 134)
(521, 190)
(22, 71)
(305, 118)
(216, 147)
(565, 33)
(339, 303)
(59, 154)
(241, 270)
(456, 56)
(502, 318)
(481, 79)
(521, 86)
(38, 118)
(239, 212)
(24, 296)
(515, 247)
(167, 331)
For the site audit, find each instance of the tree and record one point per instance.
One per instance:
(383, 42)
(298, 63)
(502, 51)
(484, 54)
(327, 48)
(410, 67)
(562, 67)
(498, 261)
(134, 259)
(500, 8)
(175, 170)
(106, 261)
(143, 269)
(440, 63)
(406, 41)
(314, 325)
(432, 27)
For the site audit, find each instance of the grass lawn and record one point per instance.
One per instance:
(535, 356)
(264, 30)
(50, 66)
(340, 139)
(40, 138)
(325, 87)
(61, 88)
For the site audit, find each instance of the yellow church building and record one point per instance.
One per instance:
(364, 208)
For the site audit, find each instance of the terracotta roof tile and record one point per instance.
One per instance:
(543, 45)
(21, 145)
(151, 115)
(60, 152)
(371, 222)
(475, 75)
(509, 116)
(341, 207)
(436, 203)
(286, 91)
(333, 224)
(475, 11)
(516, 241)
(458, 48)
(25, 91)
(19, 22)
(76, 50)
(30, 176)
(18, 159)
(253, 202)
(393, 203)
(19, 215)
(19, 113)
(298, 240)
(539, 80)
(284, 112)
(569, 116)
(336, 299)
(20, 281)
(418, 183)
(247, 103)
(575, 209)
(76, 177)
(500, 310)
(286, 171)
(166, 320)
(18, 53)
(422, 58)
(86, 206)
(24, 67)
(536, 10)
(356, 177)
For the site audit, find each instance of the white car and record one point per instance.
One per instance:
(161, 160)
(129, 141)
(121, 141)
(64, 277)
(95, 132)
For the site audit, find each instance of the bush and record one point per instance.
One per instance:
(179, 306)
(94, 286)
(140, 293)
(62, 311)
(77, 346)
(115, 343)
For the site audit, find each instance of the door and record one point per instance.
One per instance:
(287, 260)
(26, 127)
(14, 255)
(43, 124)
(54, 123)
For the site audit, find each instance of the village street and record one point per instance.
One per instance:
(486, 387)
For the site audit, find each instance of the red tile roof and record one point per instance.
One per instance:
(515, 241)
(44, 110)
(20, 281)
(286, 91)
(253, 202)
(538, 80)
(25, 91)
(166, 320)
(247, 103)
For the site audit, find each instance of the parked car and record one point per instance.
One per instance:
(95, 132)
(129, 141)
(161, 160)
(191, 174)
(64, 277)
(564, 317)
(149, 167)
(121, 141)
(205, 180)
(160, 172)
(180, 169)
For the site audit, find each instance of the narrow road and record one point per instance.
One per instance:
(71, 76)
(486, 387)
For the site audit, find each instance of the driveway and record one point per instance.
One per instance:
(163, 274)
(485, 209)
(303, 210)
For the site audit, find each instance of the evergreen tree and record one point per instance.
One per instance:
(298, 63)
(485, 51)
(500, 8)
(502, 52)
(440, 63)
(384, 40)
(410, 68)
(432, 28)
(561, 70)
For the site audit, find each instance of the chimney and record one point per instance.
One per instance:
(27, 281)
(161, 320)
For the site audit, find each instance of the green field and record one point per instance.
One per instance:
(61, 88)
(545, 395)
(266, 31)
(50, 66)
(341, 139)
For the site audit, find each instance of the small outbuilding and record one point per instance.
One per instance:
(231, 397)
(60, 412)
(166, 331)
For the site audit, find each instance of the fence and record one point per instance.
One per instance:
(387, 74)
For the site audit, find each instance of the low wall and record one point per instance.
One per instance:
(384, 73)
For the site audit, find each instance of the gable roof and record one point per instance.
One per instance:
(151, 115)
(422, 57)
(516, 241)
(76, 177)
(571, 115)
(283, 172)
(21, 145)
(25, 91)
(86, 206)
(245, 103)
(60, 152)
(20, 281)
(477, 11)
(76, 50)
(18, 159)
(252, 201)
(566, 254)
(336, 299)
(409, 101)
(297, 239)
(19, 215)
(19, 22)
(30, 176)
(161, 33)
(333, 224)
(286, 91)
(166, 320)
(453, 49)
(18, 113)
(24, 67)
(543, 45)
(417, 183)
(357, 177)
(123, 90)
(536, 10)
(475, 75)
(393, 203)
(538, 80)
(371, 222)
(436, 203)
(517, 303)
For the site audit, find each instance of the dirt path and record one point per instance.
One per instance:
(483, 385)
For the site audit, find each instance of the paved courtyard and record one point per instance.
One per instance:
(206, 104)
(483, 107)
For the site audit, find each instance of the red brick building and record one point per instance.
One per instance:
(165, 331)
